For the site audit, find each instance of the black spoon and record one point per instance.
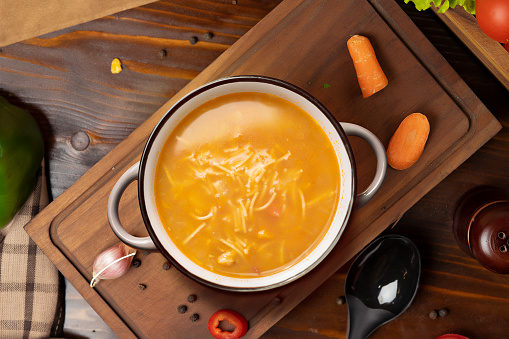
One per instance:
(381, 284)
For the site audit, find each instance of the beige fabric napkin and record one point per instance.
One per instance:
(31, 292)
(23, 19)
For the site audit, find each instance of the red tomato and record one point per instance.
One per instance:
(234, 318)
(452, 336)
(493, 18)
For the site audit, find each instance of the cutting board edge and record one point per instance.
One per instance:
(488, 51)
(69, 271)
(405, 203)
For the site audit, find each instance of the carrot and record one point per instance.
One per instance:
(370, 75)
(407, 143)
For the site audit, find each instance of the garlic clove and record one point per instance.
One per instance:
(113, 263)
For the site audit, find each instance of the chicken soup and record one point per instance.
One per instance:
(247, 184)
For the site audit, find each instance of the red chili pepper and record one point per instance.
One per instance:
(234, 318)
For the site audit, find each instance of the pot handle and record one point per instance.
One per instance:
(381, 161)
(140, 243)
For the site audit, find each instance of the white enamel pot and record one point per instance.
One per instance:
(144, 172)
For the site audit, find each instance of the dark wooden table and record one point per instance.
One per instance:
(84, 112)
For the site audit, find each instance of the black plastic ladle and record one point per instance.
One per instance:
(381, 284)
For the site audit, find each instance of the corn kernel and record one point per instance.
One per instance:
(116, 66)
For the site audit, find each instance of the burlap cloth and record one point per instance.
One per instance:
(31, 288)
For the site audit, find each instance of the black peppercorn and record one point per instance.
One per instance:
(142, 286)
(193, 40)
(166, 266)
(163, 53)
(433, 314)
(341, 300)
(209, 35)
(194, 317)
(192, 298)
(136, 263)
(182, 309)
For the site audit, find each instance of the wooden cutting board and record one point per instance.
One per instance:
(303, 42)
(488, 51)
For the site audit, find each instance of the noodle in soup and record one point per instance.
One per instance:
(247, 184)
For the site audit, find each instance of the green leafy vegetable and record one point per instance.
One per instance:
(326, 85)
(444, 5)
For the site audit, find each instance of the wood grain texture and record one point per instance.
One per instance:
(488, 51)
(64, 79)
(475, 297)
(461, 125)
(81, 321)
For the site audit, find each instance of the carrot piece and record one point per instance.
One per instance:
(407, 143)
(370, 75)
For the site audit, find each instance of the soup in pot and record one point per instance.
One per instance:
(247, 184)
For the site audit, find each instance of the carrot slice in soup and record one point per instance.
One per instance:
(370, 75)
(407, 143)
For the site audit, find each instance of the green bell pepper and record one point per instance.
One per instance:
(21, 153)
